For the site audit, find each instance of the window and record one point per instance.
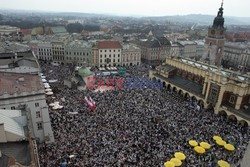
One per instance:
(109, 50)
(113, 60)
(114, 50)
(118, 55)
(105, 56)
(109, 55)
(36, 104)
(232, 99)
(101, 56)
(100, 50)
(13, 108)
(39, 126)
(38, 114)
(118, 60)
(105, 50)
(101, 61)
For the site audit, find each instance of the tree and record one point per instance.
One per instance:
(74, 28)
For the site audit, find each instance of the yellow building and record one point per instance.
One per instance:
(221, 90)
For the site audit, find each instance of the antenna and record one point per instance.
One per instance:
(222, 3)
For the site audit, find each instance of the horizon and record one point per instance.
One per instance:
(148, 8)
(111, 14)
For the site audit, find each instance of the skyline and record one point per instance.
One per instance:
(120, 8)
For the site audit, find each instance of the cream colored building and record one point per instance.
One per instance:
(221, 90)
(131, 55)
(58, 48)
(109, 53)
(44, 51)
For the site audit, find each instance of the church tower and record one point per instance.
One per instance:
(214, 41)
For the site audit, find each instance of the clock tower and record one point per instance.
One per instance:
(214, 41)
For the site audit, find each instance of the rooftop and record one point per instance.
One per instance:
(19, 150)
(130, 47)
(78, 44)
(11, 83)
(187, 43)
(109, 45)
(224, 72)
(59, 30)
(11, 126)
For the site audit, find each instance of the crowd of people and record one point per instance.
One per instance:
(133, 128)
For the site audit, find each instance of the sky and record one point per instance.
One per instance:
(133, 7)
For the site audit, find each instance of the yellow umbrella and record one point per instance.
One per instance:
(222, 163)
(217, 138)
(205, 145)
(180, 156)
(199, 149)
(229, 147)
(176, 161)
(221, 142)
(169, 164)
(193, 143)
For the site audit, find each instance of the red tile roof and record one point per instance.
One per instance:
(26, 31)
(109, 45)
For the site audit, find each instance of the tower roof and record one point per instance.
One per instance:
(219, 19)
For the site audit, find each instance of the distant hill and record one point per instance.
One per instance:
(191, 18)
(204, 19)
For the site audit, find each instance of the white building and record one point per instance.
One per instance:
(131, 55)
(237, 55)
(17, 89)
(44, 50)
(188, 49)
(109, 53)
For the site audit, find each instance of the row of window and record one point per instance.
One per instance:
(45, 54)
(109, 50)
(13, 107)
(44, 50)
(77, 58)
(78, 53)
(106, 61)
(58, 52)
(109, 55)
(56, 48)
(130, 58)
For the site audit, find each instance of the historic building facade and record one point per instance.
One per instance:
(237, 56)
(79, 53)
(131, 55)
(221, 90)
(109, 53)
(214, 41)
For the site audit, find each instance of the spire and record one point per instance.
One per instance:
(219, 20)
(222, 3)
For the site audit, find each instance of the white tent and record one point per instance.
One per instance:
(53, 81)
(51, 104)
(48, 90)
(49, 93)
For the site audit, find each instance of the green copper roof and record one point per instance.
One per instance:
(84, 72)
(58, 29)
